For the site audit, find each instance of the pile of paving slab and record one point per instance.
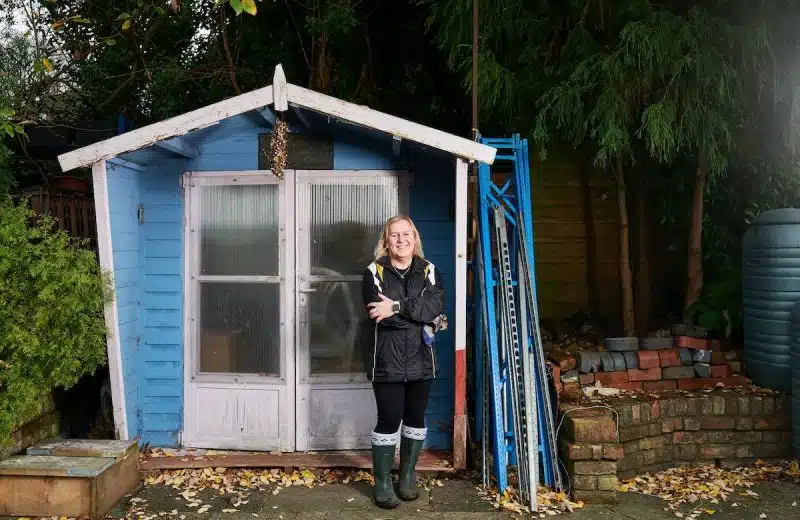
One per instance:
(683, 359)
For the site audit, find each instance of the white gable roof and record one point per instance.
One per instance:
(283, 93)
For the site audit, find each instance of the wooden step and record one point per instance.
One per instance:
(68, 477)
(430, 461)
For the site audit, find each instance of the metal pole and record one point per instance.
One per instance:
(513, 348)
(475, 69)
(486, 371)
(528, 378)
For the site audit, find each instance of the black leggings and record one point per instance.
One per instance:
(398, 402)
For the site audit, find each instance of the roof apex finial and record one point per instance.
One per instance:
(280, 97)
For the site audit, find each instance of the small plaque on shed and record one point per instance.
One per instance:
(304, 152)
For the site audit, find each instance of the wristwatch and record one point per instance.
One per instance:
(396, 307)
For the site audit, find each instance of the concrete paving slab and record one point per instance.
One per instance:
(456, 500)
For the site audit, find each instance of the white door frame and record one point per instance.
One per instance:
(233, 384)
(306, 383)
(294, 384)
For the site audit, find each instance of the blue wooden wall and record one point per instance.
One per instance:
(161, 360)
(123, 195)
(232, 145)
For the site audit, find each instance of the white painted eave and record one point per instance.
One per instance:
(259, 99)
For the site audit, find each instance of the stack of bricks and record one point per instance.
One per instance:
(726, 429)
(590, 445)
(656, 364)
(722, 428)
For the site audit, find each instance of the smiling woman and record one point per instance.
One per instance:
(405, 298)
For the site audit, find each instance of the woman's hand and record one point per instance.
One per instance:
(380, 310)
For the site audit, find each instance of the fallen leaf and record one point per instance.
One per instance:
(713, 485)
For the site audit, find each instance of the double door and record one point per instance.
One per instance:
(275, 328)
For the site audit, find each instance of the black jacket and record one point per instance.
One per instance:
(399, 352)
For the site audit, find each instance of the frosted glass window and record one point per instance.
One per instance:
(239, 230)
(240, 328)
(345, 222)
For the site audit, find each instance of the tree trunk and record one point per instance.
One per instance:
(625, 274)
(642, 260)
(694, 266)
(320, 78)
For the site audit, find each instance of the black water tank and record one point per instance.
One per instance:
(794, 356)
(771, 287)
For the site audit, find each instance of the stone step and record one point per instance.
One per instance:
(83, 448)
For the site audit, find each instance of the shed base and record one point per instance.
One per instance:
(430, 461)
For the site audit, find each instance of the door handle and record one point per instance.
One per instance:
(307, 290)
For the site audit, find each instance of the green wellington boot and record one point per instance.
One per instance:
(410, 446)
(383, 447)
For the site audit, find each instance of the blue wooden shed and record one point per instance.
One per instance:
(237, 321)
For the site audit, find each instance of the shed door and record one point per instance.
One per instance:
(240, 370)
(339, 217)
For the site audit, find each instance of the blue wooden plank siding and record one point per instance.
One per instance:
(123, 199)
(161, 355)
(230, 146)
(429, 202)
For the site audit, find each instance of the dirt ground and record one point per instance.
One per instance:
(457, 499)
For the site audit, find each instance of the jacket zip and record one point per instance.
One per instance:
(433, 359)
(405, 347)
(375, 351)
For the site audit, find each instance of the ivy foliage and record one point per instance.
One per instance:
(52, 328)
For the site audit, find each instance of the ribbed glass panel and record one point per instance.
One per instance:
(239, 230)
(346, 220)
(240, 322)
(239, 328)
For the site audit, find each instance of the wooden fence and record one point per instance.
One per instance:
(576, 239)
(73, 210)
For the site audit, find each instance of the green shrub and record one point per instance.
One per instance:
(52, 329)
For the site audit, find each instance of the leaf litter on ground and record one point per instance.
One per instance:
(709, 485)
(549, 502)
(236, 485)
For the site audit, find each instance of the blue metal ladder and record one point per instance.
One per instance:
(515, 199)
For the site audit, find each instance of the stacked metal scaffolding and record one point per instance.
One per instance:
(514, 419)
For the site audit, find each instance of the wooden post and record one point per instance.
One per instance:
(106, 256)
(460, 406)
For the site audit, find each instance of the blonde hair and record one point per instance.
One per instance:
(380, 247)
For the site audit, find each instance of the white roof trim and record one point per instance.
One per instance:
(208, 115)
(174, 126)
(402, 128)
